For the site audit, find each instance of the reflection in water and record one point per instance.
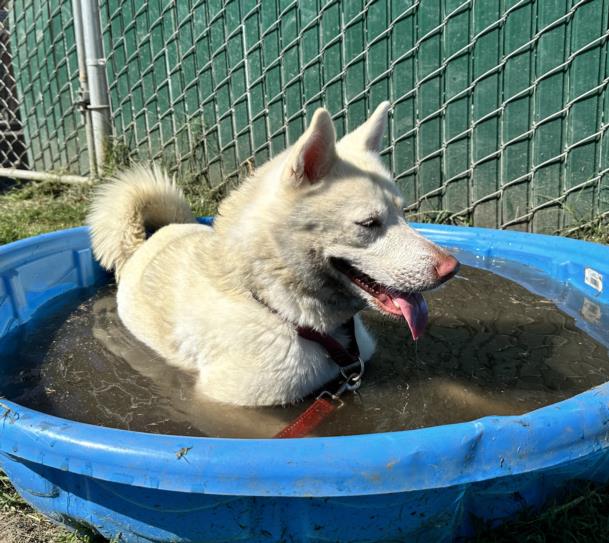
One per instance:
(492, 348)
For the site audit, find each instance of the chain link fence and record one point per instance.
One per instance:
(500, 108)
(12, 145)
(43, 59)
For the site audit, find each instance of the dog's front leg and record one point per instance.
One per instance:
(365, 341)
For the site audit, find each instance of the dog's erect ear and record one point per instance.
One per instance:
(370, 134)
(315, 151)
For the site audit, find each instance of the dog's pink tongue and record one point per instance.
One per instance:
(414, 309)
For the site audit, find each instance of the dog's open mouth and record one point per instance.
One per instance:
(411, 306)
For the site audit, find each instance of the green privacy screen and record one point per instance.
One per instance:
(500, 108)
(45, 66)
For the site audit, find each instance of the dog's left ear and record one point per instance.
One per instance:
(314, 153)
(370, 134)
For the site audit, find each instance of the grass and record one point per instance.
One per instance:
(439, 217)
(19, 523)
(596, 230)
(582, 517)
(29, 208)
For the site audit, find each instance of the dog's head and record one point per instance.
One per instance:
(345, 221)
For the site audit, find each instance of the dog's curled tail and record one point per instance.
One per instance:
(130, 206)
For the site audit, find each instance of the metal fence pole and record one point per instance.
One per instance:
(83, 100)
(99, 100)
(15, 173)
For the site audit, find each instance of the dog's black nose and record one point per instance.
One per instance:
(446, 267)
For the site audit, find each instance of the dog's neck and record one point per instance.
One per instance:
(324, 310)
(308, 299)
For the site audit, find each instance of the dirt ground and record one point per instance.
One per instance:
(20, 527)
(19, 523)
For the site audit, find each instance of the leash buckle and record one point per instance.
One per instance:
(330, 396)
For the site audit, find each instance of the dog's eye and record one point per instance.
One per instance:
(371, 222)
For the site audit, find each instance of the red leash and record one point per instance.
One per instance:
(309, 419)
(351, 368)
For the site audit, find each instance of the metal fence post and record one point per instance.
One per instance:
(99, 100)
(83, 99)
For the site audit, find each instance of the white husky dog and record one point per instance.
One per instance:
(314, 236)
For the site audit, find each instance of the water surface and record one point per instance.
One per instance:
(492, 347)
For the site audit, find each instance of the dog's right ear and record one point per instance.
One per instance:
(369, 136)
(314, 153)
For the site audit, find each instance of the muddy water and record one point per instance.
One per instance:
(492, 347)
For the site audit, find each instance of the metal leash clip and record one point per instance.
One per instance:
(347, 371)
(351, 383)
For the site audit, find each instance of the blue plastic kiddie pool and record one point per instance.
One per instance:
(432, 484)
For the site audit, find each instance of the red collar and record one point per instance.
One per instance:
(343, 356)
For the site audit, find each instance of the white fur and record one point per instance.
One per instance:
(124, 208)
(193, 293)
